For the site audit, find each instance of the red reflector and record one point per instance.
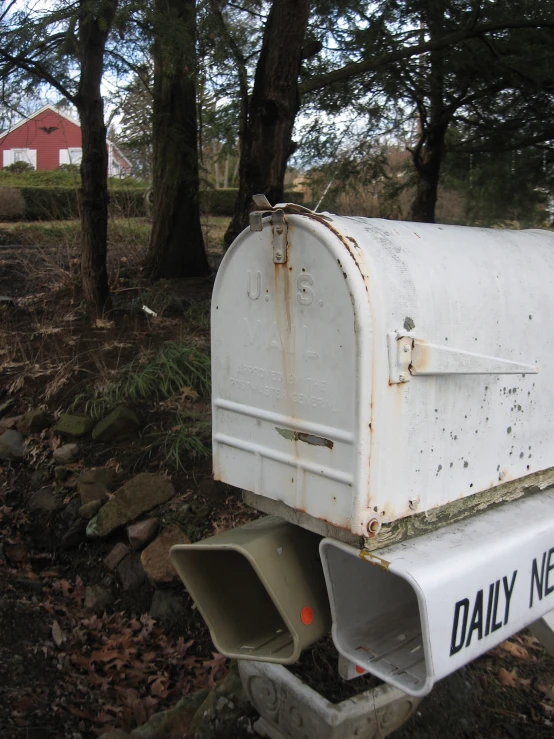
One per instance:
(306, 615)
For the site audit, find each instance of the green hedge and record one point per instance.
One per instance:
(62, 203)
(64, 176)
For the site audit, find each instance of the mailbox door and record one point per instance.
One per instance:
(290, 416)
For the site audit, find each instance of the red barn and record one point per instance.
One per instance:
(50, 137)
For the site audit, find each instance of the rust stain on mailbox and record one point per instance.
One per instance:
(307, 438)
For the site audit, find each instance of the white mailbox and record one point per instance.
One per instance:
(366, 370)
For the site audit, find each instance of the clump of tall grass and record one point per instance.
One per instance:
(187, 438)
(151, 376)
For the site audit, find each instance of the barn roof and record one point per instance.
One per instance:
(44, 108)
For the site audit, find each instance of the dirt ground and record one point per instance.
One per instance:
(68, 672)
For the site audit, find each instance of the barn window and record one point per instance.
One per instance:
(10, 156)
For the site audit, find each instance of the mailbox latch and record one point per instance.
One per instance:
(411, 357)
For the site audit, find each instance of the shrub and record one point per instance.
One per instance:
(12, 204)
(62, 203)
(74, 168)
(19, 167)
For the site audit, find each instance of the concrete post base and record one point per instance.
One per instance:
(289, 709)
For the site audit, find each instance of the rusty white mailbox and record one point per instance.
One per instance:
(378, 383)
(366, 370)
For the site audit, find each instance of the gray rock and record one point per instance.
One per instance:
(45, 499)
(91, 492)
(155, 558)
(218, 718)
(33, 422)
(93, 484)
(166, 605)
(174, 723)
(120, 423)
(9, 423)
(89, 510)
(116, 555)
(143, 492)
(131, 572)
(75, 426)
(71, 512)
(66, 454)
(100, 475)
(75, 534)
(11, 446)
(39, 477)
(97, 598)
(142, 532)
(61, 474)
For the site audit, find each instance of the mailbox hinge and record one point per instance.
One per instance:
(278, 225)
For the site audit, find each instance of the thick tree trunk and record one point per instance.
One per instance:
(428, 161)
(266, 145)
(176, 243)
(93, 33)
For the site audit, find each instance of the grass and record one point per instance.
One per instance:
(122, 232)
(176, 368)
(188, 437)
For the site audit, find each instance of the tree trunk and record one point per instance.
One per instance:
(94, 28)
(176, 243)
(429, 152)
(266, 145)
(427, 162)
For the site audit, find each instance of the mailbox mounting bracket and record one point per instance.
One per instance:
(410, 357)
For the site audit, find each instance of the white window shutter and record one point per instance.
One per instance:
(64, 156)
(7, 157)
(32, 157)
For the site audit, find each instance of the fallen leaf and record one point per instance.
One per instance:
(57, 634)
(104, 323)
(511, 679)
(530, 641)
(187, 393)
(158, 688)
(74, 711)
(514, 650)
(104, 655)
